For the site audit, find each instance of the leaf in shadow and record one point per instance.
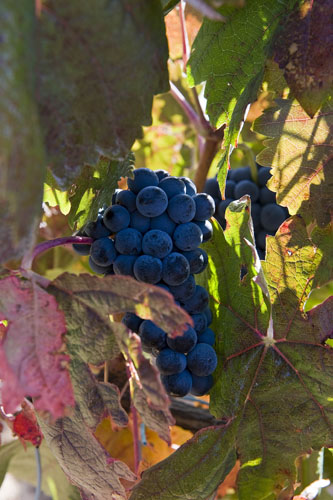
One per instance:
(84, 461)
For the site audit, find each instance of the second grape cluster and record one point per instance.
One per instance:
(152, 231)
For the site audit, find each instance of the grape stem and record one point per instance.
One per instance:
(46, 245)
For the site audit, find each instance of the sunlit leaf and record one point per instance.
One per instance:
(300, 152)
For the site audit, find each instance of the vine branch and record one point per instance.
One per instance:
(46, 245)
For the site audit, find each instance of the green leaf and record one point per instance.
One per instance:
(275, 376)
(300, 153)
(22, 166)
(7, 452)
(168, 5)
(231, 58)
(92, 66)
(94, 188)
(84, 461)
(304, 51)
(88, 301)
(194, 471)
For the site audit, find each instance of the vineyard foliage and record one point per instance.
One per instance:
(85, 99)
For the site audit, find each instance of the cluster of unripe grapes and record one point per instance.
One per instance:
(267, 216)
(152, 231)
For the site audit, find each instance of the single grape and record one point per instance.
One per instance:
(140, 222)
(199, 322)
(152, 336)
(132, 321)
(206, 229)
(207, 337)
(103, 252)
(205, 206)
(126, 199)
(96, 229)
(148, 269)
(266, 196)
(152, 201)
(263, 176)
(202, 360)
(176, 269)
(164, 223)
(124, 265)
(181, 208)
(209, 315)
(247, 187)
(100, 269)
(128, 241)
(272, 216)
(183, 343)
(143, 177)
(190, 187)
(116, 218)
(198, 302)
(184, 291)
(179, 384)
(81, 249)
(187, 236)
(157, 243)
(223, 206)
(240, 174)
(212, 188)
(172, 186)
(169, 361)
(255, 214)
(198, 260)
(230, 189)
(261, 238)
(201, 385)
(161, 174)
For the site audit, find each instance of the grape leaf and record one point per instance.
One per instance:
(300, 153)
(32, 363)
(304, 50)
(147, 391)
(88, 97)
(277, 377)
(231, 58)
(87, 302)
(193, 471)
(84, 461)
(89, 192)
(96, 400)
(22, 166)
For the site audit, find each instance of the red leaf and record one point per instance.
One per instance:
(31, 361)
(26, 427)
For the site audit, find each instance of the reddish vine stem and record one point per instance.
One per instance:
(212, 144)
(46, 245)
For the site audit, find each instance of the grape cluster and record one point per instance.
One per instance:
(267, 216)
(152, 231)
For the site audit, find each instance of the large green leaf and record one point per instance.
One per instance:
(300, 153)
(99, 67)
(22, 167)
(194, 471)
(276, 376)
(230, 57)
